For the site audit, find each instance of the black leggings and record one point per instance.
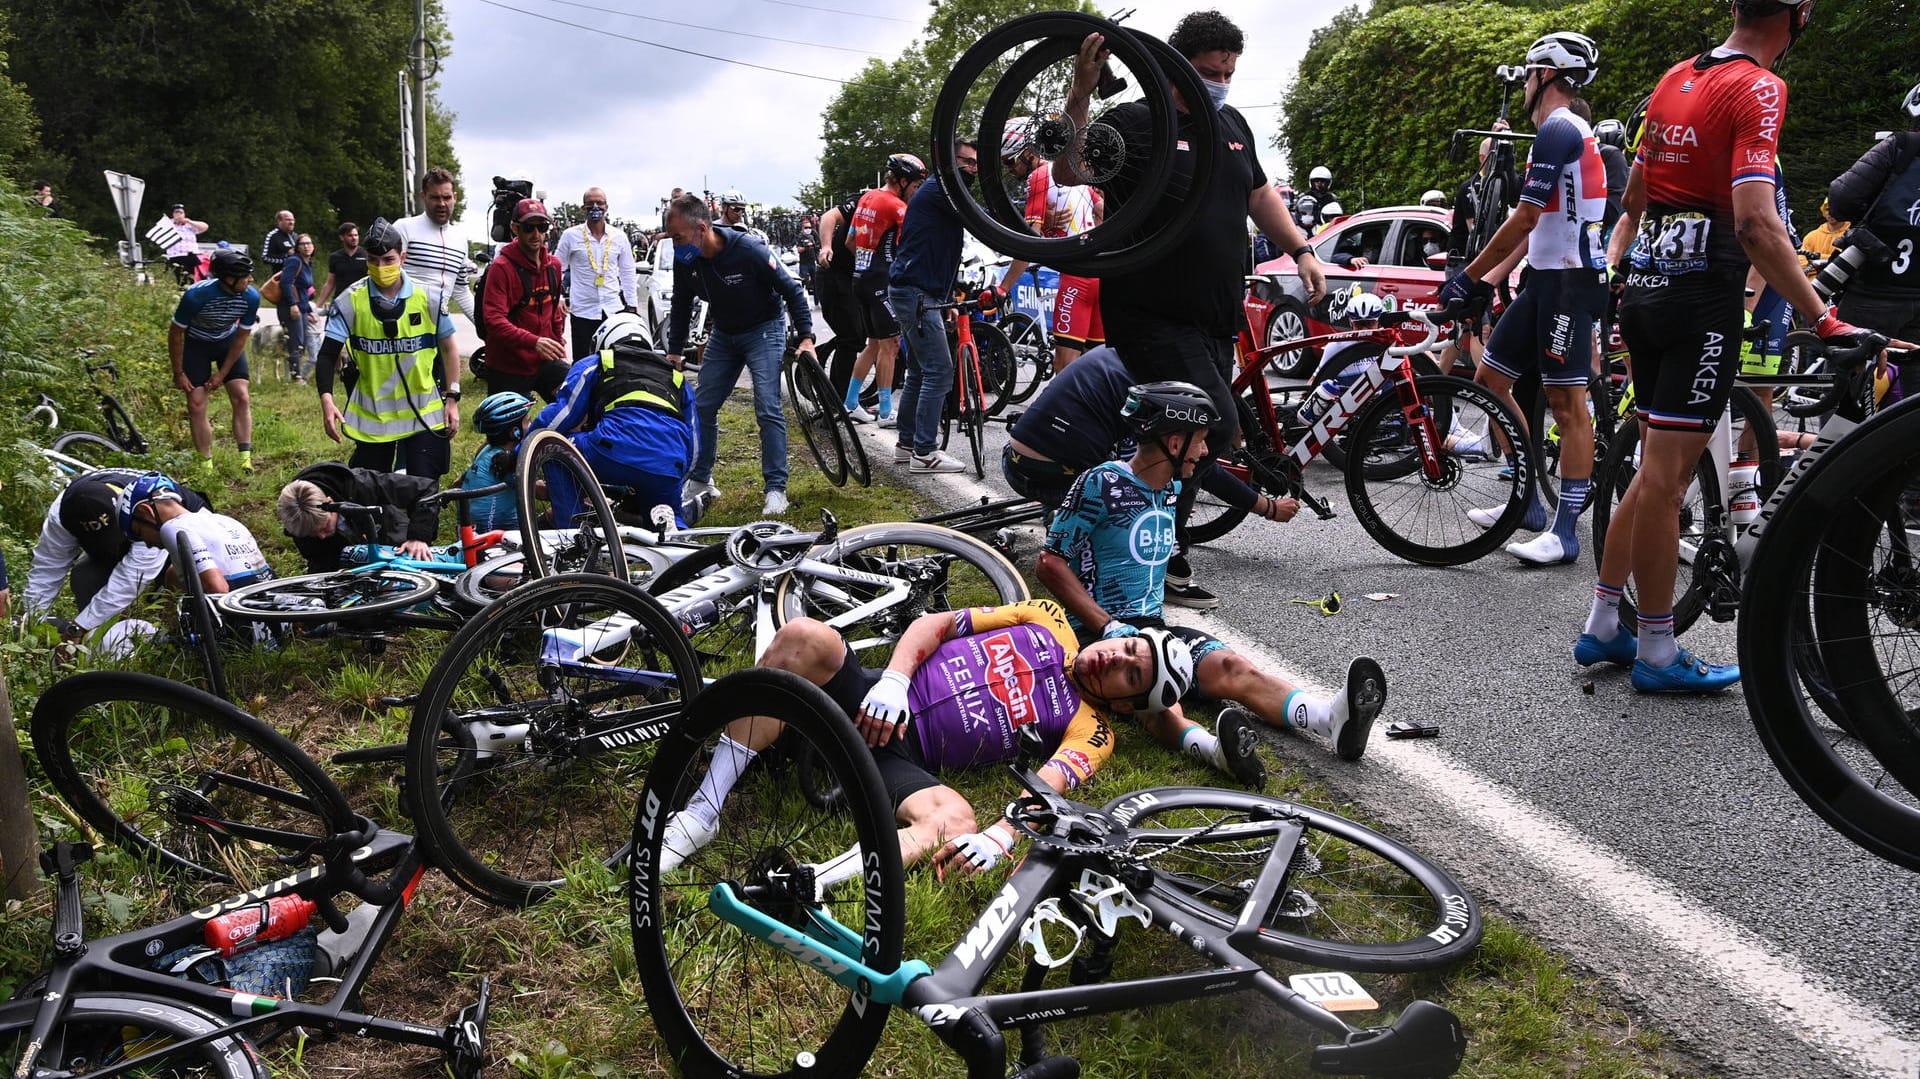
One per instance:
(842, 314)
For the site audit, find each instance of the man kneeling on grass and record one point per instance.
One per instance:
(963, 716)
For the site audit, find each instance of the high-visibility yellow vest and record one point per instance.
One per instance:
(395, 395)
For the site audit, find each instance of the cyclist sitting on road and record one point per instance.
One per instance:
(1549, 327)
(631, 413)
(79, 544)
(1106, 560)
(964, 715)
(502, 419)
(1076, 423)
(152, 511)
(322, 534)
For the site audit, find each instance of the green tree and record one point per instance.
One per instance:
(19, 127)
(234, 108)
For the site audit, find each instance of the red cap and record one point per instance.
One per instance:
(526, 208)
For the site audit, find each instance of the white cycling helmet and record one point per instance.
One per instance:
(1912, 103)
(1574, 55)
(732, 198)
(1015, 136)
(622, 326)
(1433, 197)
(1320, 172)
(1331, 210)
(1172, 669)
(1365, 305)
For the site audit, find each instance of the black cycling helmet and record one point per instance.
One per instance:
(381, 237)
(906, 167)
(1168, 408)
(1636, 125)
(1611, 133)
(227, 262)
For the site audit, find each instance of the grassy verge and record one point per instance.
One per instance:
(568, 1001)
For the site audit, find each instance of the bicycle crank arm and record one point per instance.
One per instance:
(1320, 508)
(466, 1054)
(825, 956)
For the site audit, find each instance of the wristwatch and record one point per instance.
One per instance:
(1303, 249)
(453, 392)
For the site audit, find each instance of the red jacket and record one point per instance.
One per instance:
(510, 323)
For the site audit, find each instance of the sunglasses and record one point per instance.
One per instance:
(533, 226)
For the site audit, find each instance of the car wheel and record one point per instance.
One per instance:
(1289, 323)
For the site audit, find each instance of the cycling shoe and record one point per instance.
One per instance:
(1239, 738)
(1687, 674)
(685, 834)
(1620, 651)
(1355, 710)
(1545, 549)
(1487, 517)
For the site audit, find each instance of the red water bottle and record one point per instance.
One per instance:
(272, 919)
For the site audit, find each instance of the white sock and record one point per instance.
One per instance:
(1657, 645)
(843, 866)
(1204, 746)
(1604, 621)
(1309, 712)
(730, 758)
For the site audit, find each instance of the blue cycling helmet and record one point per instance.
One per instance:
(502, 412)
(147, 487)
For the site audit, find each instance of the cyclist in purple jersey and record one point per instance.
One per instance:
(969, 680)
(1105, 555)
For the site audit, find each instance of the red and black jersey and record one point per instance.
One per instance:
(1713, 124)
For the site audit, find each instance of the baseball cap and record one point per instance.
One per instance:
(526, 208)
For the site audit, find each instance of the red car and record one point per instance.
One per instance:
(1398, 252)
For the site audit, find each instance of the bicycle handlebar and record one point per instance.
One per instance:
(462, 494)
(1846, 361)
(373, 515)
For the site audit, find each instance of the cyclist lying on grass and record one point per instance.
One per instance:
(1106, 559)
(968, 679)
(152, 510)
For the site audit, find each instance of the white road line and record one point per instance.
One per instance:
(1785, 991)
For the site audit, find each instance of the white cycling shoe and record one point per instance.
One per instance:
(1545, 549)
(683, 836)
(1486, 518)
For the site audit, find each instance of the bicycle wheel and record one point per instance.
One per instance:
(101, 1031)
(972, 406)
(185, 780)
(549, 458)
(1390, 459)
(1354, 900)
(199, 620)
(942, 569)
(96, 450)
(477, 587)
(344, 595)
(1032, 355)
(859, 469)
(1425, 520)
(819, 426)
(1832, 531)
(709, 986)
(536, 722)
(120, 426)
(996, 360)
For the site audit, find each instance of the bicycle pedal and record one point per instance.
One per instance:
(399, 702)
(467, 1035)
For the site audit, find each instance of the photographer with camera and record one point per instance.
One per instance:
(1877, 260)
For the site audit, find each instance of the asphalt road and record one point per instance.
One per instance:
(1648, 838)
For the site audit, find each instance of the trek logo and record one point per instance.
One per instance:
(1009, 678)
(1344, 409)
(994, 924)
(1706, 376)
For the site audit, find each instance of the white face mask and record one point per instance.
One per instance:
(1217, 91)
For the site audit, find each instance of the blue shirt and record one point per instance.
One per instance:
(929, 254)
(500, 509)
(1117, 534)
(1077, 419)
(646, 438)
(743, 284)
(208, 312)
(296, 282)
(340, 312)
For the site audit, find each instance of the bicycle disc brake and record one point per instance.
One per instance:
(1719, 567)
(1896, 594)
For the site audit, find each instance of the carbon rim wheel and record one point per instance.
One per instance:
(101, 1031)
(819, 427)
(96, 450)
(972, 408)
(535, 725)
(1031, 351)
(182, 778)
(550, 465)
(199, 621)
(997, 361)
(707, 982)
(347, 595)
(1354, 899)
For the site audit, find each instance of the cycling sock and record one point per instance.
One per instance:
(1573, 499)
(843, 866)
(1657, 646)
(1204, 746)
(886, 400)
(1308, 712)
(730, 758)
(853, 396)
(1603, 622)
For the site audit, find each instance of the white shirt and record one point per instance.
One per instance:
(436, 259)
(57, 551)
(185, 240)
(216, 541)
(587, 259)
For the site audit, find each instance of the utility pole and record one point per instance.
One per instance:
(420, 88)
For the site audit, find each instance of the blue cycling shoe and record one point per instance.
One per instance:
(1620, 651)
(1687, 674)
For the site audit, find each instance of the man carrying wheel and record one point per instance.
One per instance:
(1176, 317)
(1699, 209)
(1106, 553)
(1549, 327)
(969, 680)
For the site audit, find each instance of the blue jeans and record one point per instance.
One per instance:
(923, 339)
(758, 350)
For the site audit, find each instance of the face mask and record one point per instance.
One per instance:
(1217, 91)
(597, 214)
(685, 252)
(384, 276)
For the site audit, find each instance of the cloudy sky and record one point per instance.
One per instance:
(586, 105)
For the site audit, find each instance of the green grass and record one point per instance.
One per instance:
(567, 1000)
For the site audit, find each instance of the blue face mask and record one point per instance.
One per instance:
(597, 213)
(1217, 91)
(685, 252)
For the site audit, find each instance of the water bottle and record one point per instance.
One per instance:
(1322, 398)
(1743, 492)
(274, 919)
